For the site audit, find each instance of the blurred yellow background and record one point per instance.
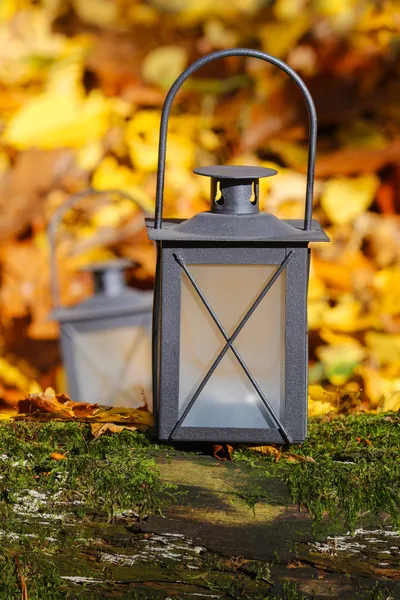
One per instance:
(82, 84)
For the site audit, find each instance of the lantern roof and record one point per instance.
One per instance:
(112, 297)
(236, 218)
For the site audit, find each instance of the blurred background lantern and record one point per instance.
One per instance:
(106, 339)
(230, 335)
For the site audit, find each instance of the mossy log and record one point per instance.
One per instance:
(231, 530)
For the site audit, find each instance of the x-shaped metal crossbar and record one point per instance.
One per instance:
(229, 344)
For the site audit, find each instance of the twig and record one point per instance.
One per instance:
(24, 589)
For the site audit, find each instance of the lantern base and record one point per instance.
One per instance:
(227, 435)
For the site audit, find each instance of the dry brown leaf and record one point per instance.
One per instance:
(351, 161)
(265, 450)
(80, 409)
(99, 429)
(128, 416)
(45, 403)
(222, 452)
(298, 458)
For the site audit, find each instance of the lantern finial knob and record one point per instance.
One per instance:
(234, 189)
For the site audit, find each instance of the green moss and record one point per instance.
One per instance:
(41, 577)
(110, 474)
(356, 470)
(259, 570)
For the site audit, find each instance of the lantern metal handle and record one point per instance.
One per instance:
(55, 221)
(312, 143)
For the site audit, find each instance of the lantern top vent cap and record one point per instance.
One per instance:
(235, 172)
(117, 264)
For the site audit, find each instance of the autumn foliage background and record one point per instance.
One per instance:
(82, 84)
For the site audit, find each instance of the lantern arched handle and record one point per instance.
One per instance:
(52, 229)
(312, 142)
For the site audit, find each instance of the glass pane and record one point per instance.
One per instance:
(113, 366)
(229, 398)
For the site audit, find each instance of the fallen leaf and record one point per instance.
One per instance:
(80, 409)
(321, 401)
(101, 13)
(129, 416)
(343, 199)
(385, 348)
(56, 119)
(265, 450)
(111, 175)
(298, 458)
(352, 161)
(223, 452)
(163, 65)
(58, 456)
(45, 403)
(99, 429)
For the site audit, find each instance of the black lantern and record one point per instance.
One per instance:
(106, 339)
(230, 353)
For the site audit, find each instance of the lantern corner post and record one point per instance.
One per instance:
(166, 339)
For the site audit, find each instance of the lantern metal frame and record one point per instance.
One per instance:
(209, 239)
(131, 308)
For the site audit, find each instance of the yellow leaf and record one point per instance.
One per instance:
(7, 10)
(278, 38)
(385, 347)
(111, 175)
(391, 402)
(316, 287)
(383, 391)
(34, 388)
(338, 339)
(55, 119)
(320, 401)
(287, 9)
(13, 377)
(164, 64)
(317, 408)
(113, 214)
(343, 199)
(347, 316)
(89, 156)
(316, 312)
(332, 7)
(141, 135)
(102, 13)
(385, 17)
(387, 283)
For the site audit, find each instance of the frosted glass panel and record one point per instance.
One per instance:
(114, 366)
(229, 399)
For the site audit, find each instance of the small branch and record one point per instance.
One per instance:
(24, 589)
